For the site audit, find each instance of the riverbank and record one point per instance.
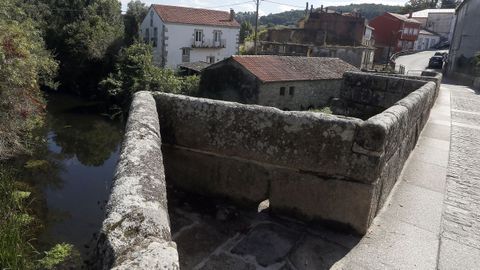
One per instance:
(59, 189)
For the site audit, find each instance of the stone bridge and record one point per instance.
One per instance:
(335, 169)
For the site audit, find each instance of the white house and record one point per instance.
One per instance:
(182, 35)
(440, 21)
(426, 40)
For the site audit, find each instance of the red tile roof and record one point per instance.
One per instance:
(185, 15)
(272, 68)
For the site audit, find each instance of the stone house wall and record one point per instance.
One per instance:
(360, 56)
(305, 95)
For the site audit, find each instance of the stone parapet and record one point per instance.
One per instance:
(312, 165)
(136, 231)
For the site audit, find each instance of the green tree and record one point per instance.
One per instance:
(416, 5)
(449, 3)
(246, 30)
(91, 45)
(134, 16)
(25, 66)
(135, 71)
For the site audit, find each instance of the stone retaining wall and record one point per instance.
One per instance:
(136, 232)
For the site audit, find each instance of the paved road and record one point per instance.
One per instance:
(460, 226)
(414, 63)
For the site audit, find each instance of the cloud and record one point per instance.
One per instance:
(265, 7)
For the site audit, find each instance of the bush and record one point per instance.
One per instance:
(25, 65)
(135, 72)
(15, 250)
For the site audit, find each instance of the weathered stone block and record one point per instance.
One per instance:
(303, 140)
(314, 198)
(243, 181)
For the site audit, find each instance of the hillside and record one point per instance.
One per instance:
(291, 17)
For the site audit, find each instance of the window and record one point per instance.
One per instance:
(147, 35)
(185, 55)
(151, 18)
(282, 91)
(217, 36)
(291, 90)
(198, 35)
(211, 59)
(155, 37)
(399, 43)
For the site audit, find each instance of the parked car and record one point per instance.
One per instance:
(436, 61)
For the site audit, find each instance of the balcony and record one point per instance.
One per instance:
(208, 43)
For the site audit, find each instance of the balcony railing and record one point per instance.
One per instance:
(208, 43)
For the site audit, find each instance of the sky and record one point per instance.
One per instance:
(266, 6)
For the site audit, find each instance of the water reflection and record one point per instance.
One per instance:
(81, 154)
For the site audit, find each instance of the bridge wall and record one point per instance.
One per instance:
(136, 231)
(311, 165)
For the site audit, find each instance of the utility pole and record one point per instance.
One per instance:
(256, 29)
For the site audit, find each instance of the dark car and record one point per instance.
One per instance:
(436, 62)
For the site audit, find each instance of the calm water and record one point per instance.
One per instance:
(82, 149)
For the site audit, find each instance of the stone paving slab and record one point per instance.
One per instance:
(268, 243)
(454, 255)
(393, 244)
(417, 206)
(460, 236)
(426, 175)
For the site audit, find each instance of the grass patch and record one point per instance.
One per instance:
(16, 252)
(325, 109)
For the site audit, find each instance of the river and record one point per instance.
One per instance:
(81, 148)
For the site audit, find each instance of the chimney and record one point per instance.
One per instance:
(311, 9)
(326, 10)
(410, 15)
(306, 9)
(321, 8)
(232, 15)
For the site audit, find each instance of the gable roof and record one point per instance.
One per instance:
(403, 17)
(272, 68)
(424, 13)
(197, 16)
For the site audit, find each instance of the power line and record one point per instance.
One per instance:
(229, 5)
(278, 3)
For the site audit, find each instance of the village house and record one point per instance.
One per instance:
(426, 40)
(184, 35)
(440, 21)
(285, 82)
(465, 46)
(394, 33)
(324, 33)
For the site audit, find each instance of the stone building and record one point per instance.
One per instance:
(325, 34)
(394, 33)
(181, 35)
(285, 82)
(426, 40)
(465, 44)
(440, 21)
